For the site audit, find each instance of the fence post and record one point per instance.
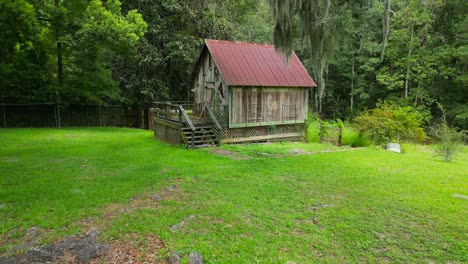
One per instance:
(150, 120)
(99, 113)
(55, 115)
(4, 115)
(58, 115)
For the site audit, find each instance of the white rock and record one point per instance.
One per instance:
(393, 147)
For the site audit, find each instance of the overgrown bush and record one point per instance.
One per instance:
(313, 128)
(450, 141)
(330, 132)
(319, 130)
(389, 122)
(353, 138)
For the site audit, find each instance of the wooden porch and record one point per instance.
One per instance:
(179, 122)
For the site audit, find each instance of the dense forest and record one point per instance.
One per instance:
(411, 52)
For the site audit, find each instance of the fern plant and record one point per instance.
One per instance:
(450, 140)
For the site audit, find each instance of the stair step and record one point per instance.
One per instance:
(197, 128)
(198, 132)
(201, 141)
(204, 136)
(201, 137)
(187, 133)
(203, 146)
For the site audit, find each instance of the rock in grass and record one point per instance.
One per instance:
(179, 225)
(92, 234)
(175, 259)
(81, 248)
(33, 232)
(320, 206)
(460, 196)
(393, 147)
(156, 198)
(195, 258)
(170, 188)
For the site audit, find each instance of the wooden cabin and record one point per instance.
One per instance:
(247, 92)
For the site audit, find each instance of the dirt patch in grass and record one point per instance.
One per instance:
(142, 201)
(230, 154)
(13, 237)
(86, 248)
(73, 249)
(300, 152)
(130, 249)
(134, 249)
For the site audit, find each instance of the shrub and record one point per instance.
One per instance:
(329, 132)
(389, 122)
(450, 141)
(313, 128)
(353, 138)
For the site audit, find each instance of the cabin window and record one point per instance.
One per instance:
(288, 112)
(254, 113)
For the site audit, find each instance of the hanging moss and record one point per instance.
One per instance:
(319, 29)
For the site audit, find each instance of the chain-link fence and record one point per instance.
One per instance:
(55, 115)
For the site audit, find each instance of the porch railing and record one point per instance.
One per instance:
(171, 110)
(189, 122)
(176, 111)
(213, 118)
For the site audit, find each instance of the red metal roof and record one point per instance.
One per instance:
(246, 64)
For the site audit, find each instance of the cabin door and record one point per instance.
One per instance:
(254, 105)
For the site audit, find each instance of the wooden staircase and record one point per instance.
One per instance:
(203, 136)
(175, 125)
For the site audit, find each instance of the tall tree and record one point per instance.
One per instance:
(86, 37)
(321, 30)
(161, 69)
(64, 49)
(22, 53)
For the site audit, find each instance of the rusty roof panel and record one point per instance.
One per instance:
(246, 64)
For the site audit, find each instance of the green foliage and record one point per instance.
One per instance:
(389, 122)
(23, 61)
(425, 57)
(321, 28)
(161, 68)
(313, 125)
(318, 129)
(104, 33)
(137, 52)
(450, 141)
(353, 138)
(330, 132)
(64, 49)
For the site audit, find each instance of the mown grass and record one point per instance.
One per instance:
(365, 205)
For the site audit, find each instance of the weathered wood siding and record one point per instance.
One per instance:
(256, 106)
(210, 88)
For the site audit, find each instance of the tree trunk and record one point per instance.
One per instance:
(59, 66)
(385, 28)
(352, 83)
(316, 100)
(320, 90)
(408, 65)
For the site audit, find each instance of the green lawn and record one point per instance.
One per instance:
(364, 205)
